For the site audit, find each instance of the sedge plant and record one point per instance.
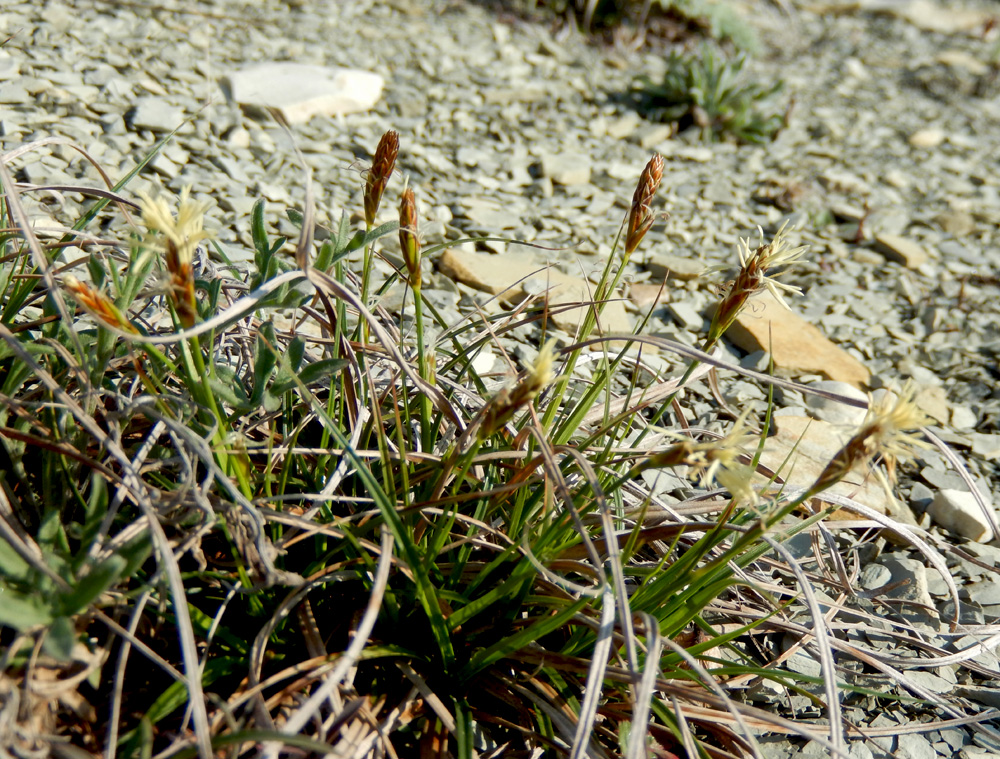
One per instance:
(204, 530)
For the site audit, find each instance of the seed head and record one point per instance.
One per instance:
(640, 215)
(98, 304)
(179, 239)
(885, 432)
(408, 240)
(505, 404)
(378, 176)
(754, 276)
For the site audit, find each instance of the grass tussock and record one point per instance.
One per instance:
(222, 535)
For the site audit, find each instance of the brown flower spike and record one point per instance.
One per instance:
(98, 304)
(885, 433)
(754, 276)
(640, 215)
(382, 166)
(408, 240)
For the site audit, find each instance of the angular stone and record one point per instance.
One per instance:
(933, 401)
(155, 114)
(299, 92)
(489, 216)
(832, 411)
(901, 250)
(962, 59)
(958, 223)
(985, 592)
(913, 746)
(685, 269)
(927, 138)
(797, 346)
(507, 276)
(944, 18)
(644, 295)
(687, 316)
(916, 573)
(14, 94)
(566, 168)
(958, 511)
(650, 135)
(622, 127)
(987, 446)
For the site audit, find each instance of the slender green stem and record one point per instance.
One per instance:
(426, 410)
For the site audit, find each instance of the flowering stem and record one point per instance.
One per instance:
(426, 436)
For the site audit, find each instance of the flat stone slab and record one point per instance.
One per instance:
(958, 512)
(155, 114)
(684, 268)
(567, 169)
(901, 250)
(797, 346)
(515, 275)
(298, 92)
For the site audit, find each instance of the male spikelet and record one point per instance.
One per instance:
(714, 461)
(378, 176)
(640, 215)
(506, 403)
(177, 238)
(754, 276)
(885, 432)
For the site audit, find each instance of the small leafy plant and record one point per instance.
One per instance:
(710, 93)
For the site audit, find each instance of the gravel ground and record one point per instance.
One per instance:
(889, 165)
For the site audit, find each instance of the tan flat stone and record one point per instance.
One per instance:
(901, 250)
(685, 269)
(513, 275)
(796, 345)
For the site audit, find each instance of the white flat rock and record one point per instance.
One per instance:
(299, 92)
(958, 512)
